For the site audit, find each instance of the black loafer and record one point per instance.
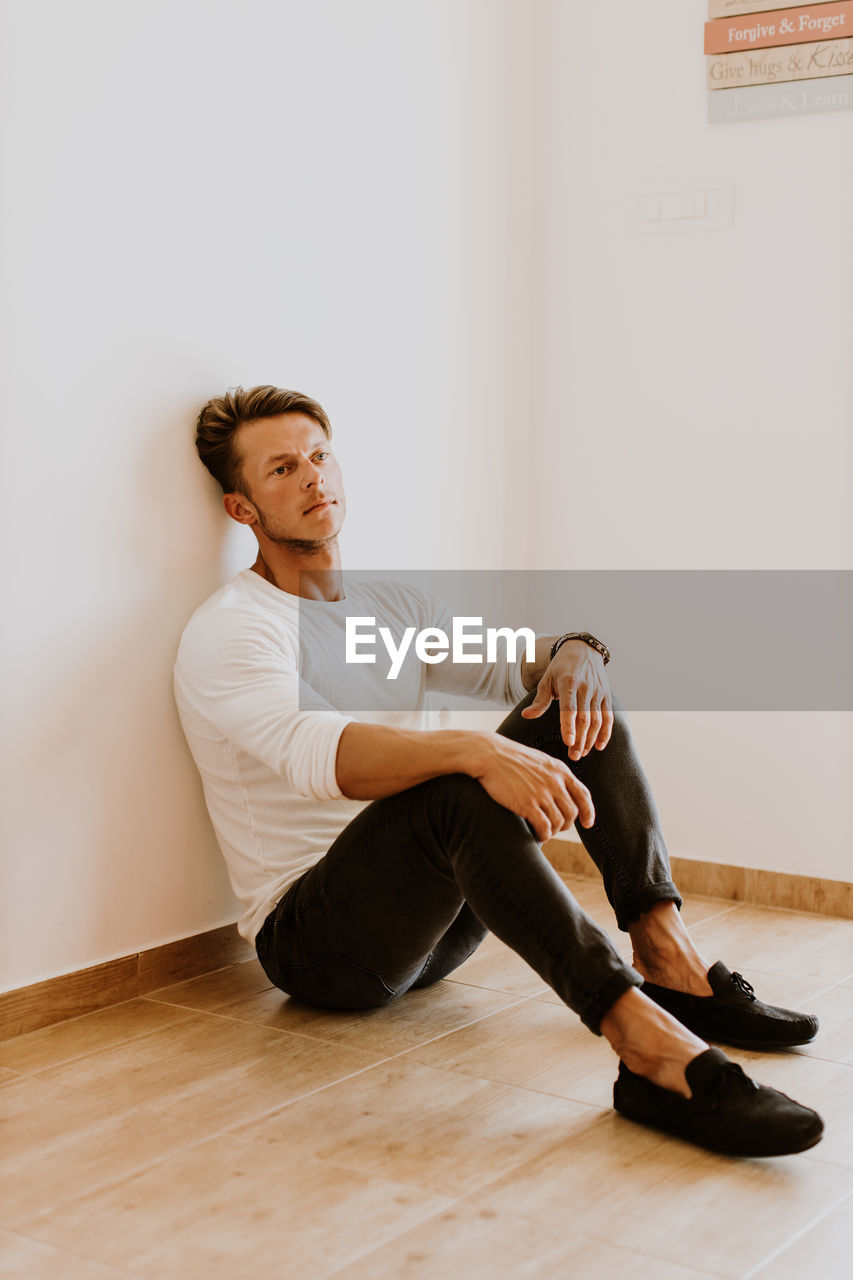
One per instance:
(734, 1015)
(728, 1113)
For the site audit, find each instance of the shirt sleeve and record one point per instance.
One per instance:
(239, 676)
(499, 681)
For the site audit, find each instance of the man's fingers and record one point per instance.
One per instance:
(556, 821)
(581, 727)
(540, 703)
(583, 800)
(594, 728)
(540, 825)
(568, 716)
(568, 810)
(606, 726)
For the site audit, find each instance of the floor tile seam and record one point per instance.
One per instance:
(525, 1086)
(833, 986)
(840, 985)
(717, 915)
(702, 1272)
(402, 1053)
(128, 1176)
(149, 996)
(814, 916)
(167, 1110)
(154, 998)
(846, 1067)
(233, 1128)
(596, 1239)
(421, 1044)
(421, 1188)
(74, 1253)
(374, 1247)
(827, 1160)
(821, 1057)
(535, 1222)
(776, 1253)
(155, 992)
(248, 1143)
(94, 1092)
(170, 1112)
(265, 1026)
(100, 1185)
(113, 1044)
(77, 1057)
(501, 991)
(94, 1124)
(339, 1044)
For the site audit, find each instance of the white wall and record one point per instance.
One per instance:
(365, 200)
(694, 391)
(201, 193)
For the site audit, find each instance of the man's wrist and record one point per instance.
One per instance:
(587, 638)
(460, 750)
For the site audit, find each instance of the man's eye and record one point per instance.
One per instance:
(322, 455)
(279, 471)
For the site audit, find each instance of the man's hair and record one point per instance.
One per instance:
(220, 418)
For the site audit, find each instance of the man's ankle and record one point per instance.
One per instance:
(676, 971)
(664, 952)
(658, 1048)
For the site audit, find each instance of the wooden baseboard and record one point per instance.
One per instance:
(717, 880)
(73, 994)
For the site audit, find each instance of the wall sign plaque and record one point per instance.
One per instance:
(796, 26)
(764, 66)
(770, 101)
(778, 58)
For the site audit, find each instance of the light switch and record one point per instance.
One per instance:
(648, 208)
(685, 206)
(672, 204)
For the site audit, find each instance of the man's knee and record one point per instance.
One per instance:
(458, 790)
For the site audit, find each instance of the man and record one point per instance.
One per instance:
(372, 858)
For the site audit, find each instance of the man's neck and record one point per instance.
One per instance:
(314, 573)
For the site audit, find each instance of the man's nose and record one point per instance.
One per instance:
(312, 475)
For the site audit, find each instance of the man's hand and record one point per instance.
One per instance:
(532, 784)
(575, 676)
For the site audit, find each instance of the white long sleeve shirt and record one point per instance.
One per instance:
(263, 716)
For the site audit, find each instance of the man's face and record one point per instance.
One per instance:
(292, 478)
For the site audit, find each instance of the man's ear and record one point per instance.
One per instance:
(239, 508)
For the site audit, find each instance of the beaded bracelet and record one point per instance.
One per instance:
(587, 639)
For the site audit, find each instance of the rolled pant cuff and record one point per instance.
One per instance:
(631, 908)
(615, 986)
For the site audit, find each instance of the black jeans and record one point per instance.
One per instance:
(414, 883)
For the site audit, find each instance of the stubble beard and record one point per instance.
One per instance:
(299, 546)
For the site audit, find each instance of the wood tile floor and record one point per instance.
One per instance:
(214, 1130)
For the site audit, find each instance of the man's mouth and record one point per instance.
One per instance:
(326, 502)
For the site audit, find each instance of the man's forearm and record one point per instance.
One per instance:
(375, 761)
